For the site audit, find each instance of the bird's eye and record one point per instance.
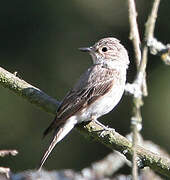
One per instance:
(104, 49)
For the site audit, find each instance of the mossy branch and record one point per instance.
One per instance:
(27, 91)
(111, 139)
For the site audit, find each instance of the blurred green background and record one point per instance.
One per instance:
(40, 40)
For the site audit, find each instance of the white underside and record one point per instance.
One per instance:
(66, 128)
(101, 106)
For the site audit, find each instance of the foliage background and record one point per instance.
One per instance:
(39, 40)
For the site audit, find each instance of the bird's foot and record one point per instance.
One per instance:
(105, 128)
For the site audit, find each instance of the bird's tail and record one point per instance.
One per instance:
(61, 132)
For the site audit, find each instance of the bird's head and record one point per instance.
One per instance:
(109, 52)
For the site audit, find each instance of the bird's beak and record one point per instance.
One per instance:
(86, 49)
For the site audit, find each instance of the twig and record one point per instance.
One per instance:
(111, 139)
(107, 166)
(150, 24)
(156, 47)
(8, 152)
(140, 81)
(5, 170)
(149, 30)
(136, 118)
(134, 33)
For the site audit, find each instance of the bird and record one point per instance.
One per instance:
(95, 94)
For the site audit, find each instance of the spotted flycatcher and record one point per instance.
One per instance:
(96, 93)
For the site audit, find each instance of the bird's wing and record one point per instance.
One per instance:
(94, 83)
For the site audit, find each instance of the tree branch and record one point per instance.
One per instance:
(27, 91)
(111, 139)
(139, 85)
(136, 119)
